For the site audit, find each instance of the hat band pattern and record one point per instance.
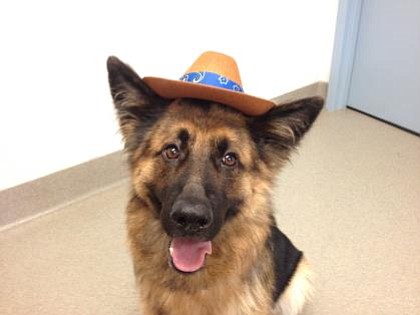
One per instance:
(213, 79)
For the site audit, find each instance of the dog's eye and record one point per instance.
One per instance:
(171, 152)
(229, 159)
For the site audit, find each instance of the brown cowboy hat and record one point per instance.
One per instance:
(214, 77)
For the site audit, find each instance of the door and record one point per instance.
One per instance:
(385, 80)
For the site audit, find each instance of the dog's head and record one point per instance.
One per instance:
(200, 165)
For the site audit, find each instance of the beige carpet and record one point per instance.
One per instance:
(350, 200)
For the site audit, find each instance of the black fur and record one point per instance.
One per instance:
(222, 146)
(137, 105)
(183, 136)
(157, 204)
(286, 257)
(281, 129)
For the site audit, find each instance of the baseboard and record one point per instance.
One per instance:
(24, 202)
(385, 121)
(315, 89)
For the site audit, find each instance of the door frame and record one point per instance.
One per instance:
(345, 42)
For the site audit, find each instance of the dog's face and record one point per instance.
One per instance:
(200, 159)
(198, 164)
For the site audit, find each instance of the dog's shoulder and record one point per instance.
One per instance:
(292, 274)
(286, 258)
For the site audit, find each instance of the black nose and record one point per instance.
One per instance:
(191, 217)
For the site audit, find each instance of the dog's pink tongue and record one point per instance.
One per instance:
(189, 255)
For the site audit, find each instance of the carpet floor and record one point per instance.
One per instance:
(350, 199)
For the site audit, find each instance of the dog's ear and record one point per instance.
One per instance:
(278, 131)
(138, 107)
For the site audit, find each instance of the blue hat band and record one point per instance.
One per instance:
(212, 79)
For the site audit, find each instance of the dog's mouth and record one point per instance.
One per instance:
(189, 255)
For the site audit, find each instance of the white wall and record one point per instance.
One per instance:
(55, 109)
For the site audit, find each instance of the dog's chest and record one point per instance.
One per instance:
(229, 298)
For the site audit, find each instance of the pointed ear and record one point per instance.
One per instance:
(278, 131)
(138, 107)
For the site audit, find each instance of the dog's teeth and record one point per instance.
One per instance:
(171, 250)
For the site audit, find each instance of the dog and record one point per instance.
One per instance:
(200, 221)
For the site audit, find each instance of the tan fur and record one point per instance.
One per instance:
(239, 273)
(298, 292)
(228, 278)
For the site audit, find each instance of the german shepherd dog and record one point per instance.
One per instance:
(200, 221)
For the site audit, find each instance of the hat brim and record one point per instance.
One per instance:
(172, 89)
